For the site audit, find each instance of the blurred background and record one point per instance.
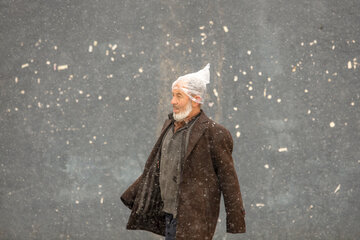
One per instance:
(85, 87)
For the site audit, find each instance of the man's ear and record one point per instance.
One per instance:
(195, 104)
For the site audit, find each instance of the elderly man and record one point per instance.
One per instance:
(178, 193)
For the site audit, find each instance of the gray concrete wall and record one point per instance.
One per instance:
(85, 88)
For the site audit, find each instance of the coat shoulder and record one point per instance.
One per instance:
(216, 129)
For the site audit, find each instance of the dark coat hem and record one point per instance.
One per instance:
(235, 232)
(143, 228)
(128, 204)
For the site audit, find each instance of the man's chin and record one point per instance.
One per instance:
(179, 116)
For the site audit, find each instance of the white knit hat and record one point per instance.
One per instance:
(194, 84)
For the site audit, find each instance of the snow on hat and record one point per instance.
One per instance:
(194, 84)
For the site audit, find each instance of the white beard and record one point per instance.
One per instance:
(182, 115)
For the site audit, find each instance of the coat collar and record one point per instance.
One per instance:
(196, 132)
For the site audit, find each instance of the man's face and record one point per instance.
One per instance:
(179, 101)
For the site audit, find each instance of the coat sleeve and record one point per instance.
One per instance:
(128, 197)
(228, 180)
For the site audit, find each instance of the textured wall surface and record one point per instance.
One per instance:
(85, 88)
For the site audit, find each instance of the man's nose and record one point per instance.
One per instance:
(173, 101)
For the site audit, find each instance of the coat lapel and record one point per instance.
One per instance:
(196, 132)
(166, 125)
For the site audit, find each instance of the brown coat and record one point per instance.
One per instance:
(207, 171)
